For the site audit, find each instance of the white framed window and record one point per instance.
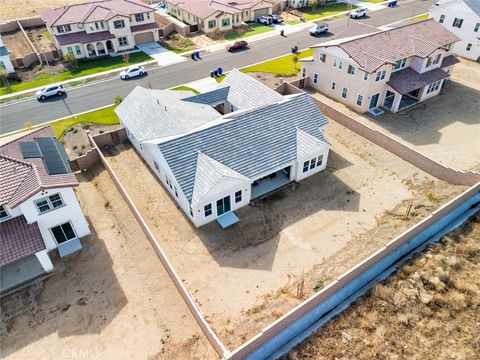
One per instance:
(469, 46)
(176, 192)
(323, 57)
(225, 22)
(457, 23)
(380, 75)
(304, 72)
(315, 78)
(238, 196)
(155, 164)
(212, 24)
(63, 232)
(365, 76)
(359, 100)
(207, 210)
(477, 27)
(436, 59)
(344, 92)
(78, 50)
(64, 28)
(340, 65)
(351, 70)
(442, 19)
(69, 50)
(305, 166)
(434, 86)
(320, 160)
(3, 213)
(118, 24)
(400, 64)
(334, 63)
(333, 85)
(139, 17)
(49, 203)
(122, 41)
(313, 163)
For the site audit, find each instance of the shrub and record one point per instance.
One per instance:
(71, 61)
(117, 100)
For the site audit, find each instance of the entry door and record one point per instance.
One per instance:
(223, 205)
(374, 101)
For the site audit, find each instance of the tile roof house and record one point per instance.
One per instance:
(393, 68)
(218, 15)
(39, 211)
(218, 150)
(100, 27)
(461, 17)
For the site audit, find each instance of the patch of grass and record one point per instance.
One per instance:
(318, 286)
(219, 79)
(47, 34)
(84, 68)
(432, 197)
(374, 1)
(105, 116)
(176, 50)
(292, 22)
(282, 65)
(255, 28)
(186, 88)
(256, 309)
(418, 17)
(323, 11)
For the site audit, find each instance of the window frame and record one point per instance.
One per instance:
(441, 19)
(469, 47)
(306, 166)
(121, 40)
(214, 22)
(365, 76)
(322, 57)
(334, 63)
(61, 29)
(3, 210)
(340, 65)
(333, 86)
(118, 22)
(477, 27)
(399, 64)
(380, 75)
(238, 196)
(315, 78)
(351, 70)
(361, 100)
(78, 50)
(139, 16)
(205, 210)
(63, 231)
(313, 163)
(344, 92)
(319, 160)
(49, 203)
(459, 24)
(228, 23)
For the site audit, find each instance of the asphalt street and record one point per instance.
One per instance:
(82, 98)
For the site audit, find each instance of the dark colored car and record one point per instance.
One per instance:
(237, 45)
(277, 19)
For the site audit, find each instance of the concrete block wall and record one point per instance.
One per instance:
(86, 161)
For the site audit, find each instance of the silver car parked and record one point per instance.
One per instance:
(50, 90)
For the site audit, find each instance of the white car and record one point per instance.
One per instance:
(50, 90)
(266, 20)
(356, 13)
(318, 29)
(132, 71)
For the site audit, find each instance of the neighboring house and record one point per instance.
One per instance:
(462, 17)
(218, 15)
(5, 62)
(216, 151)
(306, 3)
(100, 27)
(365, 67)
(39, 211)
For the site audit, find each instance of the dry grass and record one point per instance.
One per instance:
(430, 306)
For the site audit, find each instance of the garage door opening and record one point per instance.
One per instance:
(260, 12)
(144, 38)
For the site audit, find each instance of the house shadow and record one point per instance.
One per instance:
(82, 297)
(423, 123)
(253, 242)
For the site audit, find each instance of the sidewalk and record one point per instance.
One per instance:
(288, 29)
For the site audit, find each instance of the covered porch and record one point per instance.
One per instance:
(406, 87)
(271, 182)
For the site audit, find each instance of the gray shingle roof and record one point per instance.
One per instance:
(210, 98)
(246, 92)
(250, 142)
(154, 114)
(474, 5)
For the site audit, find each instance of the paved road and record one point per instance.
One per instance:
(84, 98)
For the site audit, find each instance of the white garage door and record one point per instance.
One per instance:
(143, 38)
(260, 12)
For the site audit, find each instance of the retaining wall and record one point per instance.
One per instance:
(187, 297)
(356, 280)
(14, 25)
(171, 26)
(396, 147)
(85, 161)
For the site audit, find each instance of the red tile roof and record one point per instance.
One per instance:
(83, 37)
(22, 178)
(372, 50)
(407, 80)
(205, 8)
(144, 27)
(19, 239)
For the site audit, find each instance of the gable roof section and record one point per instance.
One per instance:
(155, 114)
(210, 98)
(21, 178)
(370, 51)
(356, 29)
(474, 5)
(246, 92)
(307, 143)
(210, 173)
(249, 143)
(206, 8)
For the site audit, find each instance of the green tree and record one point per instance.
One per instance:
(71, 60)
(4, 79)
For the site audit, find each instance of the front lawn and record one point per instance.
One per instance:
(255, 28)
(105, 116)
(323, 11)
(418, 17)
(186, 88)
(283, 65)
(374, 1)
(84, 68)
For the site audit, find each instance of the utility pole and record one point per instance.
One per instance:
(349, 8)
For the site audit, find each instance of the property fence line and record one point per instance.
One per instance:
(402, 150)
(187, 297)
(274, 336)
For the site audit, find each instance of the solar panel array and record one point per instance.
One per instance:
(30, 150)
(54, 156)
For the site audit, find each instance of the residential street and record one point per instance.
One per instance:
(90, 96)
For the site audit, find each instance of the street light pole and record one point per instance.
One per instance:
(349, 8)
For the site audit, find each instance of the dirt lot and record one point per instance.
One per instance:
(446, 127)
(39, 40)
(309, 232)
(429, 309)
(17, 44)
(75, 138)
(115, 291)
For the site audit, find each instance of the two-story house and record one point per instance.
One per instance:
(462, 17)
(100, 27)
(39, 211)
(216, 151)
(218, 15)
(365, 67)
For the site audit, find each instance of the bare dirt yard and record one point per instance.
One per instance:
(39, 39)
(248, 275)
(17, 44)
(429, 309)
(112, 300)
(446, 127)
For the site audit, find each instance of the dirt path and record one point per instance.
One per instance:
(429, 309)
(113, 300)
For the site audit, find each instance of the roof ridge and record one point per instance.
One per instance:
(26, 132)
(92, 8)
(65, 8)
(9, 158)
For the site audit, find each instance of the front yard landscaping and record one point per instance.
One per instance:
(186, 88)
(178, 43)
(283, 65)
(323, 11)
(254, 29)
(84, 68)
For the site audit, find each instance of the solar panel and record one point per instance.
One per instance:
(30, 149)
(53, 160)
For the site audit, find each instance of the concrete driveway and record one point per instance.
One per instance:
(163, 56)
